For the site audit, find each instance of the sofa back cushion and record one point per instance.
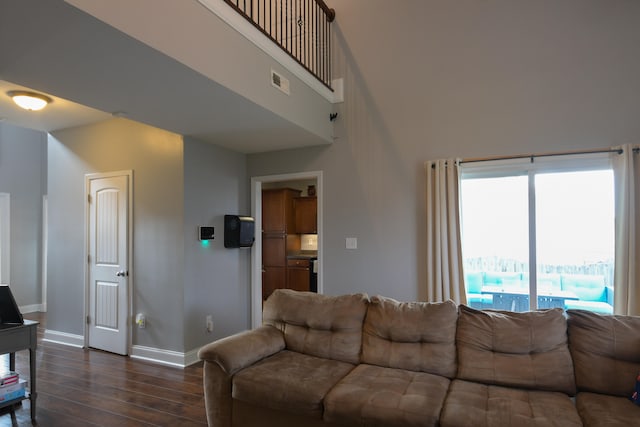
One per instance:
(415, 336)
(605, 350)
(526, 350)
(549, 282)
(474, 282)
(497, 278)
(586, 287)
(318, 325)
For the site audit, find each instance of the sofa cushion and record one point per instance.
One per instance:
(599, 410)
(610, 343)
(480, 405)
(474, 281)
(289, 381)
(318, 325)
(549, 282)
(480, 301)
(594, 306)
(495, 278)
(527, 350)
(377, 396)
(586, 287)
(418, 336)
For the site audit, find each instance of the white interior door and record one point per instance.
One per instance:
(108, 257)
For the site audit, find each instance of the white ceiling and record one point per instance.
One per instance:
(59, 114)
(55, 49)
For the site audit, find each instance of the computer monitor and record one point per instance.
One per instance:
(9, 311)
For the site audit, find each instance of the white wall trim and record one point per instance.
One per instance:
(33, 308)
(45, 243)
(256, 250)
(64, 338)
(5, 239)
(241, 25)
(156, 355)
(191, 357)
(165, 357)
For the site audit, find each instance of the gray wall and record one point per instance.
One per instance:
(174, 26)
(156, 158)
(177, 186)
(23, 171)
(216, 279)
(440, 78)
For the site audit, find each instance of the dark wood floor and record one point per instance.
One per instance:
(79, 387)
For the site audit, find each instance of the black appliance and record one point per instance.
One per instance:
(239, 231)
(313, 275)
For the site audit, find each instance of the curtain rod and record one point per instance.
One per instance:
(636, 150)
(533, 156)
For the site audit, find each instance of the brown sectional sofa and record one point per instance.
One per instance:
(352, 360)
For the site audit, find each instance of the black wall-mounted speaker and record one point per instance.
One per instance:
(239, 231)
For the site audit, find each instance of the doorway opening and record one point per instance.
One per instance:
(303, 184)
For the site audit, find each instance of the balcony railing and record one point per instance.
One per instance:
(300, 27)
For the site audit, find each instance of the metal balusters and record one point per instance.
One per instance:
(302, 28)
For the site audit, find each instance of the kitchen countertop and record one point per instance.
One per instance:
(302, 255)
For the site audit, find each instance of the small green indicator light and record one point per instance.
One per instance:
(205, 243)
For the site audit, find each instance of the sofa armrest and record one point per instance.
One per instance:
(243, 349)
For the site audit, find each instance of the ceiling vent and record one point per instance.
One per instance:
(280, 82)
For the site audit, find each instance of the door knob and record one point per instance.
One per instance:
(122, 273)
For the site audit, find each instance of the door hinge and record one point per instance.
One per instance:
(89, 259)
(88, 320)
(89, 198)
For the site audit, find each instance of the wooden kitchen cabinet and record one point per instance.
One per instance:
(306, 215)
(277, 210)
(278, 237)
(298, 274)
(274, 250)
(273, 278)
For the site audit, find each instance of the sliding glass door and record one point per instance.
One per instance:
(538, 235)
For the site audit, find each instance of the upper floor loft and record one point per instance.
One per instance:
(301, 28)
(195, 67)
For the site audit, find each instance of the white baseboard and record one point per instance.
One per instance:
(191, 357)
(63, 338)
(156, 355)
(165, 357)
(33, 308)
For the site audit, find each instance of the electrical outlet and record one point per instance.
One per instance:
(141, 320)
(209, 323)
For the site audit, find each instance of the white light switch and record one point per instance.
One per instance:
(352, 243)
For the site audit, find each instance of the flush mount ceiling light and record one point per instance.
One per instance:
(29, 100)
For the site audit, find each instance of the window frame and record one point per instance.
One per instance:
(531, 166)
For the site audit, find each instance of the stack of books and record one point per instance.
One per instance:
(11, 386)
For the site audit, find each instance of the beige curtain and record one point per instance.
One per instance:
(445, 278)
(627, 249)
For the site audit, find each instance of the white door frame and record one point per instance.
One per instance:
(5, 232)
(129, 302)
(45, 243)
(256, 250)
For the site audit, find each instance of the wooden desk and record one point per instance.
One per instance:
(22, 337)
